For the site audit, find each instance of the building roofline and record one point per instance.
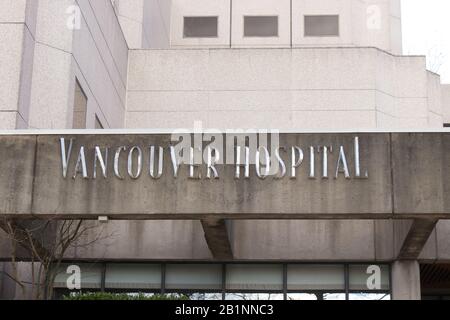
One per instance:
(278, 48)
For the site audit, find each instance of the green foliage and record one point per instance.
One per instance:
(122, 296)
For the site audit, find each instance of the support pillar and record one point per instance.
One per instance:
(405, 280)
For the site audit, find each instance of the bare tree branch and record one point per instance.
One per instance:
(46, 242)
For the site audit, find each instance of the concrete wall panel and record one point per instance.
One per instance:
(13, 11)
(16, 177)
(51, 94)
(303, 240)
(10, 65)
(199, 8)
(183, 197)
(95, 53)
(418, 162)
(305, 88)
(149, 240)
(375, 23)
(279, 8)
(17, 29)
(157, 23)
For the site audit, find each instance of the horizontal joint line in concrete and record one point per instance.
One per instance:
(12, 22)
(226, 47)
(256, 109)
(272, 90)
(226, 216)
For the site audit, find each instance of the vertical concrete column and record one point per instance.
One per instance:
(131, 17)
(405, 280)
(17, 25)
(52, 80)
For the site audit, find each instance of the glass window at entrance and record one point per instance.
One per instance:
(194, 277)
(254, 296)
(316, 296)
(239, 281)
(368, 277)
(130, 276)
(315, 277)
(254, 277)
(90, 275)
(369, 296)
(203, 296)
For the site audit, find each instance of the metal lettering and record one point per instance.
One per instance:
(98, 158)
(312, 160)
(80, 167)
(130, 163)
(342, 161)
(175, 162)
(357, 161)
(65, 157)
(211, 171)
(160, 162)
(193, 165)
(282, 174)
(325, 150)
(246, 165)
(266, 163)
(116, 162)
(296, 163)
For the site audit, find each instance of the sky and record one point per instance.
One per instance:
(426, 31)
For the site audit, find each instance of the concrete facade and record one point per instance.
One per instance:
(357, 80)
(294, 88)
(361, 23)
(145, 23)
(17, 28)
(54, 43)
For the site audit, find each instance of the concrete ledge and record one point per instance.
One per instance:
(408, 178)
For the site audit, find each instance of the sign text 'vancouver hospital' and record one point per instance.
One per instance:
(204, 162)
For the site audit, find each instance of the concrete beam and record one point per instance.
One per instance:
(217, 238)
(39, 177)
(416, 238)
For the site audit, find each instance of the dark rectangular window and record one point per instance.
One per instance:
(260, 26)
(200, 27)
(322, 26)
